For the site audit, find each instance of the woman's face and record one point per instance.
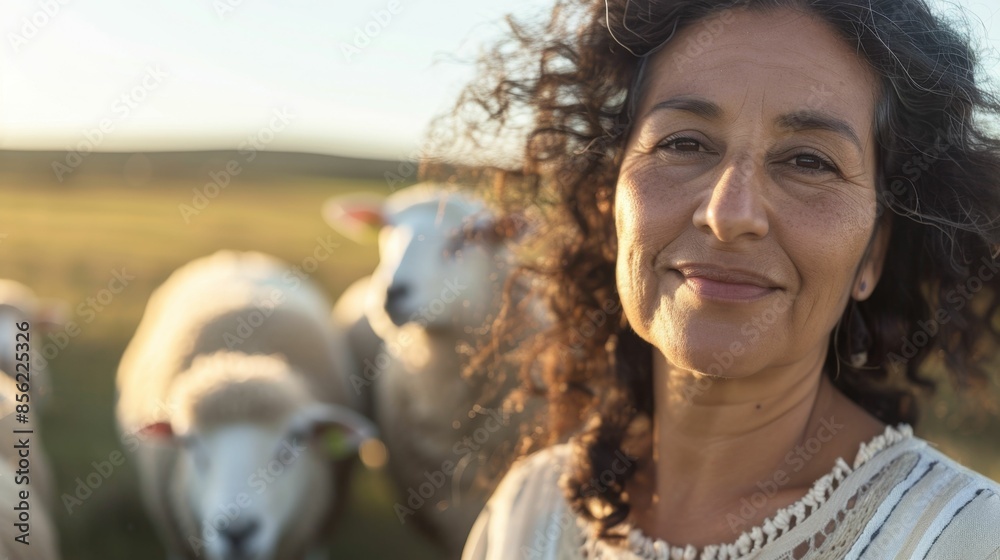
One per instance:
(746, 198)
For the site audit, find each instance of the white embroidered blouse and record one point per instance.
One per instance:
(901, 499)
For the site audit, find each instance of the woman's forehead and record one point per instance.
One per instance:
(776, 61)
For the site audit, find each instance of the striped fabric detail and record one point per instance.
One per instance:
(933, 489)
(972, 530)
(895, 531)
(885, 509)
(931, 508)
(946, 513)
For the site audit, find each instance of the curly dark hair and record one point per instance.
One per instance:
(569, 85)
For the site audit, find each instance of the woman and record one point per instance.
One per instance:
(761, 219)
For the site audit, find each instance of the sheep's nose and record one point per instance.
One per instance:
(394, 304)
(239, 533)
(395, 293)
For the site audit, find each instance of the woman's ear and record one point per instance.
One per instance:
(871, 267)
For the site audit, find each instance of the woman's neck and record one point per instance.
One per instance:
(718, 442)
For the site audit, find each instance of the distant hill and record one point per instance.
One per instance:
(139, 168)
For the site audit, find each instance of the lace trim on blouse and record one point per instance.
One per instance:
(755, 539)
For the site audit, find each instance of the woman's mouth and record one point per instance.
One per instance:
(725, 284)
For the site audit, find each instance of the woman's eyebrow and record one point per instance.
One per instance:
(795, 121)
(816, 120)
(697, 106)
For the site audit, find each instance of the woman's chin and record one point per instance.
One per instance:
(715, 369)
(717, 361)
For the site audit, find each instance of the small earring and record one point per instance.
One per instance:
(863, 286)
(859, 359)
(859, 339)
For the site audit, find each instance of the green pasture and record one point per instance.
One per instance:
(68, 241)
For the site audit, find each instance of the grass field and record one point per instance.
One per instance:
(67, 242)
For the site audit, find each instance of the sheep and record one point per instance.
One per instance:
(18, 304)
(231, 397)
(26, 485)
(430, 299)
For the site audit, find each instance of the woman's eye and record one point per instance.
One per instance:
(682, 145)
(813, 163)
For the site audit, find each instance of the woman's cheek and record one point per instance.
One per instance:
(629, 270)
(830, 220)
(647, 220)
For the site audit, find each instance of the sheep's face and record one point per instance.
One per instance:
(431, 273)
(250, 487)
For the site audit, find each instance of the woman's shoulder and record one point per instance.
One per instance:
(533, 483)
(961, 508)
(930, 506)
(547, 462)
(528, 516)
(965, 486)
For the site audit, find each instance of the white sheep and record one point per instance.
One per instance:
(26, 486)
(18, 303)
(430, 299)
(232, 397)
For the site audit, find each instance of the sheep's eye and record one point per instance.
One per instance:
(454, 246)
(298, 437)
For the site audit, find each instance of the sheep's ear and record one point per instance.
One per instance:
(341, 430)
(161, 431)
(357, 216)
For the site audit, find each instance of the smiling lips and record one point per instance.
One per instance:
(725, 284)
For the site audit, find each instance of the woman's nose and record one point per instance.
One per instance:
(735, 207)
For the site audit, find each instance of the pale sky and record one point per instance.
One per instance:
(208, 73)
